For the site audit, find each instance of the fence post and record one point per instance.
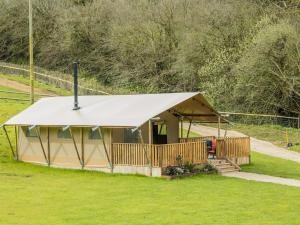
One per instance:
(249, 148)
(219, 126)
(160, 156)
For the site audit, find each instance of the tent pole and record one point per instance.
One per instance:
(144, 149)
(42, 146)
(9, 142)
(219, 126)
(76, 149)
(105, 149)
(17, 149)
(181, 127)
(82, 147)
(226, 128)
(48, 146)
(188, 132)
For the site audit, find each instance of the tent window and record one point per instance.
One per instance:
(64, 134)
(162, 129)
(31, 133)
(94, 134)
(131, 136)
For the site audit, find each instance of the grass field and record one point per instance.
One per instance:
(36, 195)
(264, 164)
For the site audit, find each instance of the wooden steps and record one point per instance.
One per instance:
(223, 166)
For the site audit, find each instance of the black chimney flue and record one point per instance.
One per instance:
(75, 73)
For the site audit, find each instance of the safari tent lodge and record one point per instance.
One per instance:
(140, 133)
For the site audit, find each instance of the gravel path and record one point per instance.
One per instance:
(22, 87)
(257, 145)
(264, 178)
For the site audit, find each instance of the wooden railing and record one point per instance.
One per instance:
(130, 154)
(233, 147)
(193, 152)
(158, 155)
(195, 139)
(167, 154)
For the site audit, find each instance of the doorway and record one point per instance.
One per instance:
(160, 133)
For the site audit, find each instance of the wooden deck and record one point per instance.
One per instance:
(193, 150)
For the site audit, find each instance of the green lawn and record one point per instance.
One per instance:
(264, 164)
(36, 195)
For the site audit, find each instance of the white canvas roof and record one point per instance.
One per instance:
(114, 110)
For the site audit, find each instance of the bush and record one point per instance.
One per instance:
(173, 171)
(208, 168)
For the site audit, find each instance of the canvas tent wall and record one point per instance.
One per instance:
(61, 151)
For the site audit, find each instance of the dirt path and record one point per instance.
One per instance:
(263, 178)
(22, 87)
(257, 145)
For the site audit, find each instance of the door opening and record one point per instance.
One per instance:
(160, 133)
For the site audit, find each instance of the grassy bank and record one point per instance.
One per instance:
(264, 164)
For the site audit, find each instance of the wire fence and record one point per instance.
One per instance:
(61, 80)
(261, 119)
(283, 131)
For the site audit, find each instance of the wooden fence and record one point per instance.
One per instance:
(233, 147)
(158, 155)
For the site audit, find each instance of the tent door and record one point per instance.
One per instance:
(160, 134)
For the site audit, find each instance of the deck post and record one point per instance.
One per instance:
(181, 127)
(9, 142)
(219, 126)
(150, 144)
(225, 149)
(249, 147)
(143, 143)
